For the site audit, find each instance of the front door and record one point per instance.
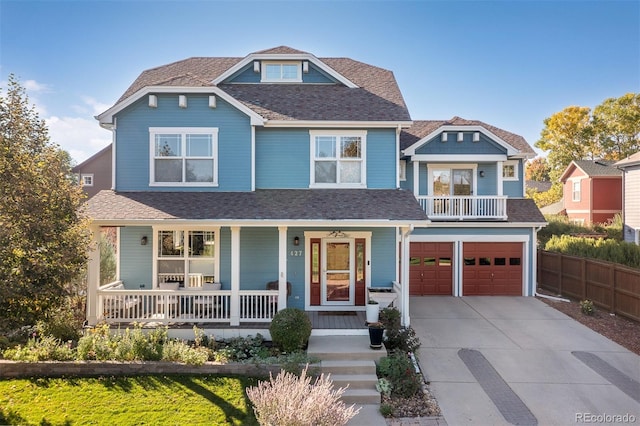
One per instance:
(338, 273)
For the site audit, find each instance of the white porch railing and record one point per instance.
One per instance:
(115, 304)
(464, 207)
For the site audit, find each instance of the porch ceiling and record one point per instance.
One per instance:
(389, 205)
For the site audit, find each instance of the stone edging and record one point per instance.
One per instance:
(13, 369)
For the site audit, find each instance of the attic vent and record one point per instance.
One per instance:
(256, 66)
(443, 137)
(476, 137)
(460, 136)
(153, 101)
(305, 67)
(212, 101)
(182, 101)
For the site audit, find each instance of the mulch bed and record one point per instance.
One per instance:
(621, 330)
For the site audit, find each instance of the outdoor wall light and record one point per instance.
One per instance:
(296, 241)
(481, 173)
(143, 241)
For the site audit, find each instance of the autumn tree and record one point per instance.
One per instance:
(43, 237)
(537, 170)
(616, 123)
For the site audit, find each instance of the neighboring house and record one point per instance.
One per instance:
(94, 173)
(538, 186)
(308, 174)
(592, 191)
(630, 167)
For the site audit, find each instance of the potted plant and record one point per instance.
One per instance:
(376, 333)
(373, 311)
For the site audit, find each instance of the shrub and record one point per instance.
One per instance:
(290, 329)
(47, 348)
(398, 369)
(291, 400)
(397, 338)
(603, 249)
(179, 351)
(587, 308)
(386, 410)
(132, 345)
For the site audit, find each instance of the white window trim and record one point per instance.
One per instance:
(338, 133)
(213, 131)
(516, 171)
(185, 258)
(575, 198)
(265, 79)
(86, 175)
(451, 167)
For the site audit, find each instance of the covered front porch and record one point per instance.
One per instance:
(235, 273)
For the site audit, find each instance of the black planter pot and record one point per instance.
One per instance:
(375, 337)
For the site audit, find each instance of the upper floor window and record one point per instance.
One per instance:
(510, 170)
(338, 159)
(86, 180)
(183, 156)
(575, 190)
(282, 72)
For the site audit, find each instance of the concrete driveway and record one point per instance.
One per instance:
(515, 360)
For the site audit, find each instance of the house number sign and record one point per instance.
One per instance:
(296, 253)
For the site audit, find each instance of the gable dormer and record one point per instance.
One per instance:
(282, 65)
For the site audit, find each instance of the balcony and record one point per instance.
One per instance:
(487, 207)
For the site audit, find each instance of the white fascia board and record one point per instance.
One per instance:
(338, 124)
(261, 223)
(284, 57)
(495, 225)
(572, 165)
(511, 151)
(106, 118)
(458, 158)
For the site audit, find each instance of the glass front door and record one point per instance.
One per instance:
(338, 277)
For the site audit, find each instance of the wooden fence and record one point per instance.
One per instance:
(610, 286)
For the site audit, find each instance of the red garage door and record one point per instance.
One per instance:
(492, 269)
(431, 269)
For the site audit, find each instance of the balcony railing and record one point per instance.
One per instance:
(116, 304)
(464, 207)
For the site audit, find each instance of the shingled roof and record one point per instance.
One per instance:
(377, 97)
(592, 168)
(266, 205)
(422, 128)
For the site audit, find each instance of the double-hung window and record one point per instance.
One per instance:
(510, 170)
(338, 159)
(575, 190)
(183, 156)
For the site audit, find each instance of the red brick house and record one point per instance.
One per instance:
(592, 191)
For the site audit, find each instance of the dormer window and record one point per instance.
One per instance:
(282, 72)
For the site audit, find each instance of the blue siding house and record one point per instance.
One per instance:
(246, 185)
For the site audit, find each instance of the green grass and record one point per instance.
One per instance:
(140, 400)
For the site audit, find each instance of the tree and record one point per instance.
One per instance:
(43, 237)
(567, 135)
(616, 123)
(537, 170)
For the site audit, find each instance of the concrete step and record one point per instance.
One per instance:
(343, 348)
(338, 366)
(361, 396)
(355, 381)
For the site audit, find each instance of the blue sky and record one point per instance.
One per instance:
(508, 63)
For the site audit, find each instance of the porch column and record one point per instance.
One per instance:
(93, 276)
(282, 267)
(235, 276)
(499, 179)
(404, 297)
(416, 178)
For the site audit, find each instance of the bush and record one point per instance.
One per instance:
(290, 329)
(397, 338)
(132, 345)
(587, 308)
(179, 351)
(398, 369)
(47, 348)
(288, 400)
(603, 249)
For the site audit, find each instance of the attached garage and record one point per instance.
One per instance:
(493, 269)
(431, 269)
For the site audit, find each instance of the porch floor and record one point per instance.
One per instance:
(323, 320)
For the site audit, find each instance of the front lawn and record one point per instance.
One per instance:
(160, 399)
